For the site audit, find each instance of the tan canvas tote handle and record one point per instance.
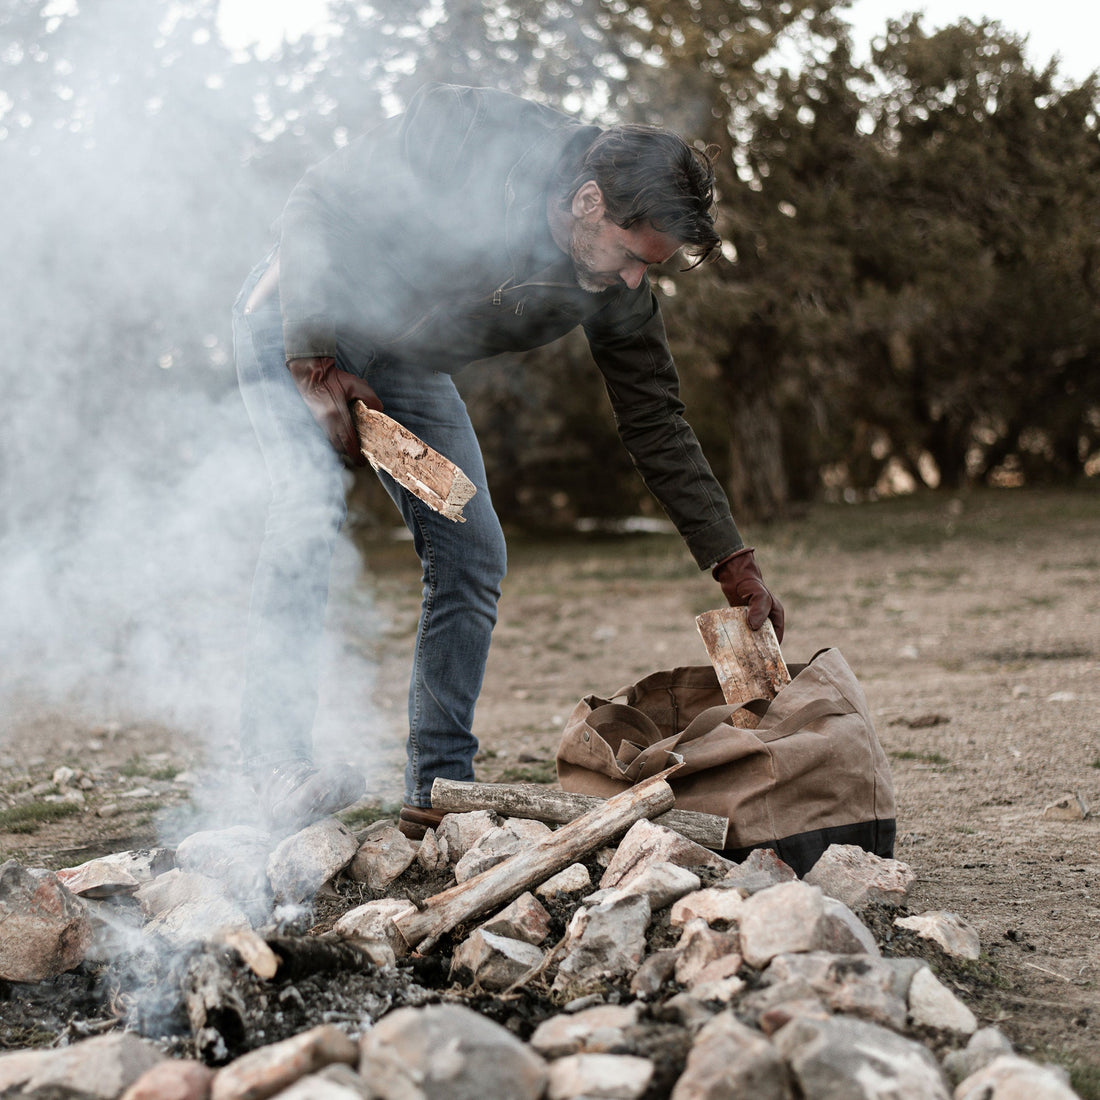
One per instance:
(808, 712)
(654, 758)
(624, 715)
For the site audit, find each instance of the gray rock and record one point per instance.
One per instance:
(596, 1030)
(383, 856)
(100, 1069)
(779, 1002)
(63, 776)
(46, 928)
(177, 887)
(904, 968)
(172, 1079)
(1009, 1077)
(345, 1076)
(183, 907)
(950, 931)
(197, 921)
(858, 877)
(318, 1087)
(714, 904)
(494, 962)
(783, 1012)
(842, 932)
(475, 861)
(570, 880)
(447, 1052)
(844, 1059)
(235, 857)
(780, 920)
(985, 1044)
(374, 920)
(718, 981)
(117, 926)
(604, 941)
(269, 1069)
(525, 919)
(117, 873)
(688, 1011)
(662, 883)
(429, 855)
(701, 945)
(795, 916)
(458, 833)
(654, 973)
(762, 868)
(496, 845)
(599, 1077)
(305, 861)
(857, 985)
(728, 1060)
(646, 843)
(932, 1004)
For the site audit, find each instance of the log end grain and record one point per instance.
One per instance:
(436, 480)
(748, 662)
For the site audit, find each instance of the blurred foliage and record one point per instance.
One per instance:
(907, 296)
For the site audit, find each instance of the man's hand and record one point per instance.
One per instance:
(743, 586)
(327, 393)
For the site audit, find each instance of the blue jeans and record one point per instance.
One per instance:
(463, 563)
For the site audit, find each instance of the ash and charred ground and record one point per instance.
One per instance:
(972, 621)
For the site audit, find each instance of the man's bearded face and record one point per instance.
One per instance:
(605, 255)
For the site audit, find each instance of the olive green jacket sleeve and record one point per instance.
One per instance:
(631, 349)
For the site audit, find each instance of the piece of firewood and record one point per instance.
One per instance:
(559, 807)
(301, 956)
(500, 884)
(748, 662)
(254, 950)
(215, 1007)
(436, 480)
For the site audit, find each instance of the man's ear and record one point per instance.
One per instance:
(588, 201)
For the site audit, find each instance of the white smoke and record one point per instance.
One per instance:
(132, 493)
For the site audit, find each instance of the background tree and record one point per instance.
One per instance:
(909, 284)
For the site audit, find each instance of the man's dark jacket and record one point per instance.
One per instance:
(426, 242)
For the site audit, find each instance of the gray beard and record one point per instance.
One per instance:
(586, 284)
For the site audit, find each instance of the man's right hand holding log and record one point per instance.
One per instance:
(328, 393)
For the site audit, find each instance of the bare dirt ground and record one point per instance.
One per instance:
(973, 624)
(972, 621)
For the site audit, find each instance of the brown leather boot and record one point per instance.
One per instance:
(415, 821)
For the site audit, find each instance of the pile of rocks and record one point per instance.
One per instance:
(673, 973)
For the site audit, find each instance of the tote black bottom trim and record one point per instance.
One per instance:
(802, 850)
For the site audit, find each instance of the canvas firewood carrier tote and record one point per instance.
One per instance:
(811, 774)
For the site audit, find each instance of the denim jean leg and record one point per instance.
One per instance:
(463, 566)
(290, 584)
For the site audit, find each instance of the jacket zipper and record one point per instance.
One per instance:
(497, 299)
(498, 294)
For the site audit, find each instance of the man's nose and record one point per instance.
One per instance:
(632, 274)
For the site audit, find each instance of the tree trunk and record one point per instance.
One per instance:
(757, 480)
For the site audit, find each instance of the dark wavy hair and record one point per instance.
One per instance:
(648, 174)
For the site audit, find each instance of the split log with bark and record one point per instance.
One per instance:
(556, 807)
(748, 662)
(436, 480)
(505, 881)
(215, 1008)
